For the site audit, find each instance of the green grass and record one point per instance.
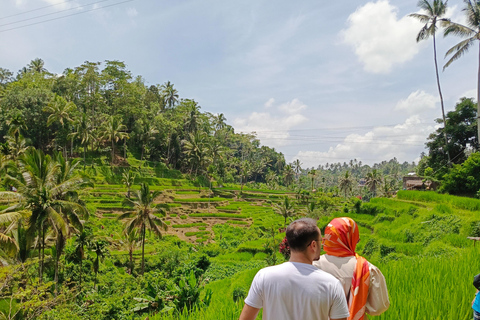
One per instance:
(215, 199)
(189, 225)
(219, 215)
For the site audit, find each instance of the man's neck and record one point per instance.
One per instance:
(300, 257)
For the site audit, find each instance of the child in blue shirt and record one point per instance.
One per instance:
(476, 301)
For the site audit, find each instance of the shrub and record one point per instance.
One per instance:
(238, 294)
(386, 250)
(370, 247)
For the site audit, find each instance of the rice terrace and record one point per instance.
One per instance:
(125, 193)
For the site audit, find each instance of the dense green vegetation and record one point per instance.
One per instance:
(124, 201)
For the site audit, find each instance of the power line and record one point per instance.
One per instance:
(52, 13)
(69, 15)
(41, 8)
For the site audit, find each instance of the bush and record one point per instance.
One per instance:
(238, 294)
(386, 250)
(370, 208)
(370, 247)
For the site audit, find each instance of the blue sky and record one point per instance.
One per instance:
(319, 81)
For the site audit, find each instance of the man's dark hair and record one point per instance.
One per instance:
(300, 233)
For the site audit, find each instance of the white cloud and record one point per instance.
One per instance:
(269, 103)
(272, 128)
(379, 38)
(417, 102)
(132, 12)
(404, 141)
(469, 94)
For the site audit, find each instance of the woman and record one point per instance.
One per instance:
(363, 283)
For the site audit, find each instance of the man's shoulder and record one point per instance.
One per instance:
(290, 268)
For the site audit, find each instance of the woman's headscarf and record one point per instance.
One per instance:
(341, 238)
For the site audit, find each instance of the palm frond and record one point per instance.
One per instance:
(8, 244)
(56, 220)
(423, 18)
(459, 49)
(457, 29)
(9, 217)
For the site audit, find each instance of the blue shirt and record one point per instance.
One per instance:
(476, 303)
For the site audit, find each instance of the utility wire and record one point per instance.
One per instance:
(52, 13)
(69, 15)
(41, 8)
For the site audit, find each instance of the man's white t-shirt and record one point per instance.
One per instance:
(294, 290)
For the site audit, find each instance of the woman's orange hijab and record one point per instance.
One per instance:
(341, 238)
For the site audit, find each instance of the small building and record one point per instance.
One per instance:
(418, 183)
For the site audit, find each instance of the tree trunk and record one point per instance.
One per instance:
(143, 248)
(130, 252)
(39, 255)
(478, 100)
(81, 266)
(113, 151)
(441, 99)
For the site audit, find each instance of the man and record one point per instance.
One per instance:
(296, 290)
(364, 285)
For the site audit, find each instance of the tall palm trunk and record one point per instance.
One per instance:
(143, 248)
(478, 99)
(130, 253)
(57, 258)
(441, 98)
(113, 150)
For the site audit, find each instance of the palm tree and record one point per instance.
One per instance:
(288, 174)
(374, 179)
(472, 33)
(297, 165)
(131, 242)
(346, 183)
(170, 95)
(8, 244)
(84, 134)
(99, 247)
(312, 173)
(143, 217)
(285, 209)
(82, 241)
(128, 179)
(60, 111)
(148, 133)
(196, 151)
(113, 130)
(433, 13)
(311, 210)
(37, 65)
(41, 191)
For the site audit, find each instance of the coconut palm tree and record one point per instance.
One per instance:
(99, 247)
(346, 183)
(128, 179)
(297, 166)
(170, 94)
(285, 209)
(8, 244)
(113, 130)
(46, 196)
(60, 111)
(130, 243)
(82, 241)
(143, 217)
(289, 174)
(374, 179)
(147, 134)
(472, 33)
(312, 173)
(84, 134)
(433, 13)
